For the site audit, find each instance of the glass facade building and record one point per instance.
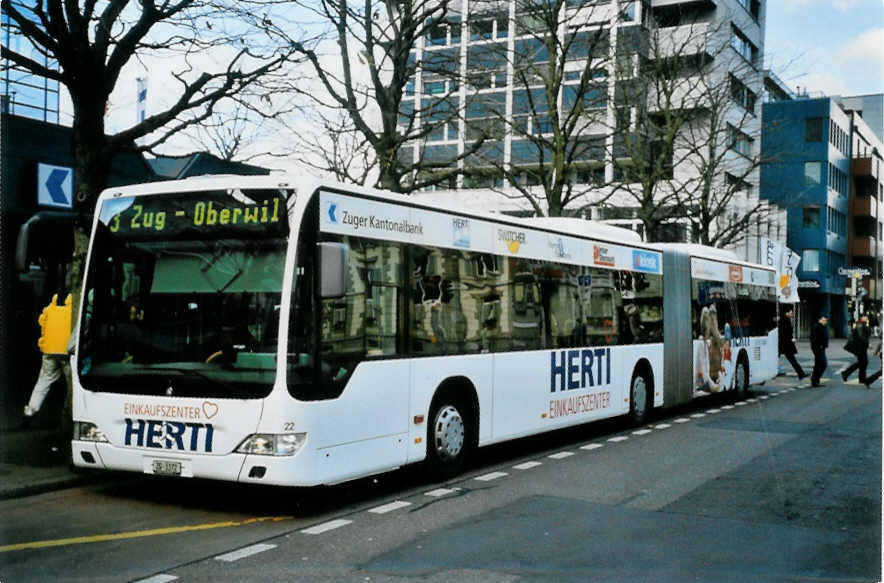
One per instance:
(23, 93)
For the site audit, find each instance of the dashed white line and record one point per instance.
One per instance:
(713, 411)
(618, 439)
(740, 403)
(663, 426)
(527, 465)
(245, 552)
(326, 526)
(439, 492)
(727, 407)
(752, 400)
(591, 446)
(641, 432)
(698, 415)
(162, 578)
(764, 397)
(561, 455)
(491, 476)
(390, 507)
(682, 420)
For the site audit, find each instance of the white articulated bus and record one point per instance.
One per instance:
(285, 331)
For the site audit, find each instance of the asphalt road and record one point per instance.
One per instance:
(785, 486)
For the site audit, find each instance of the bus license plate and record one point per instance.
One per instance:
(166, 468)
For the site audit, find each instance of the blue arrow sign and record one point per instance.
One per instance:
(54, 186)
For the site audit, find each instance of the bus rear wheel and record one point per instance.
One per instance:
(640, 391)
(448, 437)
(741, 378)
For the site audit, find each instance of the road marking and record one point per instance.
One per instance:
(682, 420)
(727, 407)
(698, 415)
(136, 534)
(438, 492)
(326, 526)
(663, 426)
(764, 397)
(641, 432)
(527, 465)
(618, 438)
(713, 411)
(561, 455)
(752, 400)
(390, 507)
(161, 578)
(740, 403)
(591, 446)
(244, 552)
(491, 476)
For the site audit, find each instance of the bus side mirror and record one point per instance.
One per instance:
(333, 262)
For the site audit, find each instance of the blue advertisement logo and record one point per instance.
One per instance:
(460, 236)
(645, 261)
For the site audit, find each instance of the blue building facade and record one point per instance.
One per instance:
(806, 147)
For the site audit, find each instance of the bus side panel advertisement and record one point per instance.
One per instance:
(346, 215)
(537, 391)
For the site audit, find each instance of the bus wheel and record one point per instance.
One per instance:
(640, 390)
(447, 439)
(741, 378)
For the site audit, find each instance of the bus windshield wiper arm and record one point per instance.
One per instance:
(196, 373)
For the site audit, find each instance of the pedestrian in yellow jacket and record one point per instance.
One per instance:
(55, 344)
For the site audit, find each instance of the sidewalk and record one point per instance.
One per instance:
(33, 460)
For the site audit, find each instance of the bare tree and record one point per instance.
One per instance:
(92, 41)
(685, 103)
(380, 39)
(235, 128)
(548, 139)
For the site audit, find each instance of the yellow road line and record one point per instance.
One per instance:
(137, 534)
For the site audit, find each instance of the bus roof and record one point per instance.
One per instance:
(310, 184)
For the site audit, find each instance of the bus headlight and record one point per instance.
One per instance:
(278, 444)
(85, 431)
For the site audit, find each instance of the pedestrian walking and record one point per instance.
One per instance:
(819, 341)
(858, 344)
(787, 343)
(54, 343)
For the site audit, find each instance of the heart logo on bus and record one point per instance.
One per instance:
(210, 409)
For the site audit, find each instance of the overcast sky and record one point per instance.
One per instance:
(835, 47)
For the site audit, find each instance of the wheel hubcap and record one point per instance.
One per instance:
(448, 432)
(639, 395)
(741, 378)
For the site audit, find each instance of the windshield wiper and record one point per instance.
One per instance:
(196, 373)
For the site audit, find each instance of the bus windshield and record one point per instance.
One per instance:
(183, 295)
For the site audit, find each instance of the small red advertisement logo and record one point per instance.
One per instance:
(602, 256)
(736, 273)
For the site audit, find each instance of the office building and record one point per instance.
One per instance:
(823, 166)
(718, 44)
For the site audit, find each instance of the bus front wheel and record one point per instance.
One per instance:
(640, 391)
(447, 437)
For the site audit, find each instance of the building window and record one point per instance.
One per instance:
(810, 260)
(753, 7)
(813, 131)
(813, 173)
(743, 45)
(810, 217)
(742, 95)
(740, 142)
